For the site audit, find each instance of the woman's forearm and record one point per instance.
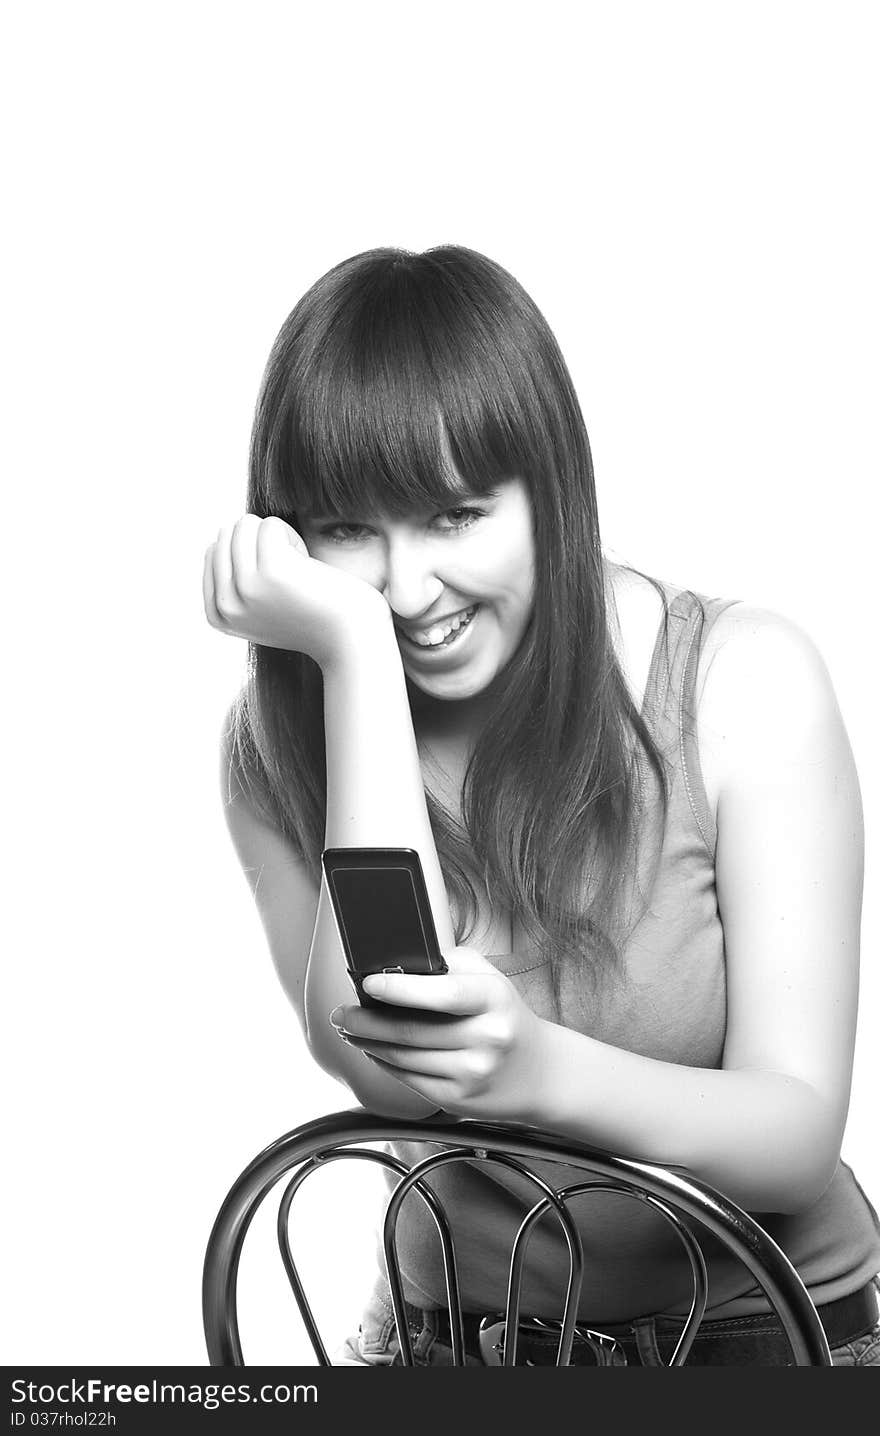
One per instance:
(375, 798)
(766, 1140)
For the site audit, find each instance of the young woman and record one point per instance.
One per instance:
(636, 809)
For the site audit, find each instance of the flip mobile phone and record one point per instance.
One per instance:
(382, 911)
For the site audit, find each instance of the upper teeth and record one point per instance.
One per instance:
(430, 637)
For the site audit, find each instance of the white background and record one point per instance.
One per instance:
(688, 191)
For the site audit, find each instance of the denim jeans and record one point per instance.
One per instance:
(376, 1343)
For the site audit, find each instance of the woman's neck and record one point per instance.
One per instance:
(454, 725)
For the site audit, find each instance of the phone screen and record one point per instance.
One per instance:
(378, 910)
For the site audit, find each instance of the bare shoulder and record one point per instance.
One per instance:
(750, 650)
(764, 691)
(283, 889)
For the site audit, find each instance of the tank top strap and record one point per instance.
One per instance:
(670, 707)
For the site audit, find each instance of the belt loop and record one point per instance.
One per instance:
(645, 1331)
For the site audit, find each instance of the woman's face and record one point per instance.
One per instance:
(472, 565)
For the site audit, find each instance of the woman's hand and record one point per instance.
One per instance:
(467, 1041)
(260, 583)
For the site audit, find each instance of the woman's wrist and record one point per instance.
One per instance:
(365, 637)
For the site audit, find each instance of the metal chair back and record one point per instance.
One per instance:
(678, 1197)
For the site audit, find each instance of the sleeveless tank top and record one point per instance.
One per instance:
(668, 1002)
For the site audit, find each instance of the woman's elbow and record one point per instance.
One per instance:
(382, 1096)
(802, 1192)
(801, 1169)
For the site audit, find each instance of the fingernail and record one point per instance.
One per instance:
(336, 1016)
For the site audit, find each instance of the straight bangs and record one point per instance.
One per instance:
(389, 404)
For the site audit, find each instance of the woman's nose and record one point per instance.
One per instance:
(409, 584)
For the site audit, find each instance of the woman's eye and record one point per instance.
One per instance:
(470, 516)
(462, 517)
(334, 534)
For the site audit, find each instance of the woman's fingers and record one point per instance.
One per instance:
(243, 554)
(370, 1024)
(421, 1063)
(463, 996)
(224, 589)
(274, 535)
(211, 612)
(233, 560)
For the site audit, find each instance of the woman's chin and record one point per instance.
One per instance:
(453, 684)
(474, 686)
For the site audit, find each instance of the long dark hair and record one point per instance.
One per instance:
(347, 420)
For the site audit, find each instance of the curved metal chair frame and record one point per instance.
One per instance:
(667, 1190)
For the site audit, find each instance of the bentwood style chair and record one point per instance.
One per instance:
(685, 1202)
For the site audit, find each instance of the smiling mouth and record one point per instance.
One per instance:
(451, 638)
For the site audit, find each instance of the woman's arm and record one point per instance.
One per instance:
(767, 1128)
(260, 583)
(375, 798)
